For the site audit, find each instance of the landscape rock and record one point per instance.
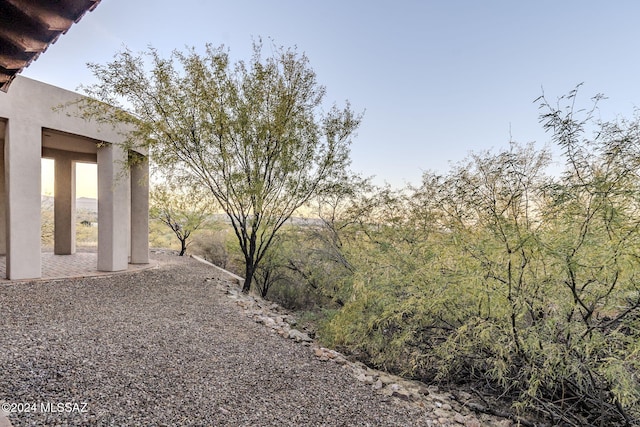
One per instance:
(472, 422)
(439, 408)
(298, 336)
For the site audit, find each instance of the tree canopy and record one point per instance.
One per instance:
(183, 210)
(255, 134)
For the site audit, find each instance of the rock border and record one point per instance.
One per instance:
(443, 408)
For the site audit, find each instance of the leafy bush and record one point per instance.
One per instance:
(304, 271)
(216, 245)
(500, 274)
(494, 273)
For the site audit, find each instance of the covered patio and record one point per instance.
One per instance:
(32, 126)
(78, 265)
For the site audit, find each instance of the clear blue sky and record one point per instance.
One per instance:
(437, 78)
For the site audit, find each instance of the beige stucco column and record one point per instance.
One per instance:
(64, 206)
(3, 198)
(140, 212)
(113, 209)
(23, 143)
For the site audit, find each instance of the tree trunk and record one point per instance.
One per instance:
(248, 277)
(265, 285)
(184, 246)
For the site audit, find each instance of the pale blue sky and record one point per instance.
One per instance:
(437, 78)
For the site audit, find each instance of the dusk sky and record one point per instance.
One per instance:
(436, 79)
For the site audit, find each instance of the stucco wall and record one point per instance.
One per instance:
(36, 101)
(32, 125)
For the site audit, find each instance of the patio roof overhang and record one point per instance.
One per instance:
(29, 27)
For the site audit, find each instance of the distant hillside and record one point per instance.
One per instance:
(87, 204)
(295, 220)
(82, 203)
(91, 205)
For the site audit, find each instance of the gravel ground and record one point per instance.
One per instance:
(164, 347)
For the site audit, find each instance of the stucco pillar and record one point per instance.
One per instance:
(64, 206)
(113, 209)
(23, 143)
(140, 213)
(3, 203)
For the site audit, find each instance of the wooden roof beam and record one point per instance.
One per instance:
(28, 27)
(10, 62)
(47, 18)
(23, 40)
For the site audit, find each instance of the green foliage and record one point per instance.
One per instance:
(161, 236)
(214, 247)
(253, 134)
(304, 270)
(494, 272)
(183, 210)
(217, 244)
(497, 273)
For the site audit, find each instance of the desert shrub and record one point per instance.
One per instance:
(304, 271)
(497, 273)
(182, 209)
(160, 236)
(214, 246)
(217, 244)
(293, 295)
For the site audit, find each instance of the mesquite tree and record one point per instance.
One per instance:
(254, 134)
(183, 210)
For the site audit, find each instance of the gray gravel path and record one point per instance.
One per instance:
(164, 347)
